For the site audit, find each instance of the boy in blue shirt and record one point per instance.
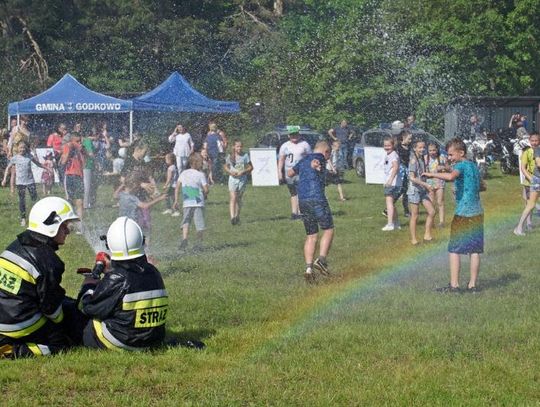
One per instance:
(314, 208)
(467, 230)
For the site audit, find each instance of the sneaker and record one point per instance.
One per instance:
(183, 244)
(197, 248)
(23, 222)
(388, 227)
(167, 212)
(309, 275)
(448, 289)
(407, 214)
(296, 216)
(175, 214)
(321, 266)
(519, 232)
(384, 213)
(233, 221)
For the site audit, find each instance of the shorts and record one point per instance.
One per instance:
(315, 214)
(394, 192)
(535, 184)
(74, 187)
(237, 184)
(467, 235)
(417, 195)
(334, 179)
(197, 214)
(527, 191)
(291, 184)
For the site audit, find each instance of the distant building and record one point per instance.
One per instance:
(494, 113)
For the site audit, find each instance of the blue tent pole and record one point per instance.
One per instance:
(131, 127)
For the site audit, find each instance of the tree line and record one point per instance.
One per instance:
(305, 61)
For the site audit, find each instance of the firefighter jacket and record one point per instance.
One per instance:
(30, 291)
(128, 306)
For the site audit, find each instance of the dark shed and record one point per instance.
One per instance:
(494, 112)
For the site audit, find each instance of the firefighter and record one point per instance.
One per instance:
(36, 317)
(128, 306)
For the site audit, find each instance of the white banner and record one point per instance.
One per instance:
(373, 159)
(265, 170)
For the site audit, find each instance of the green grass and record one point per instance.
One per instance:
(377, 333)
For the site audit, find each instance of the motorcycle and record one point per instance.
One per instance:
(511, 151)
(479, 152)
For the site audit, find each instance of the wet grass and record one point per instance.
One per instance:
(376, 333)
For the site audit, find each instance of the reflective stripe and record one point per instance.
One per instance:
(18, 260)
(144, 295)
(108, 339)
(57, 316)
(23, 328)
(17, 270)
(44, 350)
(152, 303)
(38, 350)
(130, 253)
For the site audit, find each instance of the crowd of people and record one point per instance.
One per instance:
(106, 316)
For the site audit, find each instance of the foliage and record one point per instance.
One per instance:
(369, 61)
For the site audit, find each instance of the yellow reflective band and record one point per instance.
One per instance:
(34, 349)
(17, 270)
(130, 253)
(59, 318)
(150, 317)
(33, 224)
(26, 331)
(102, 339)
(151, 303)
(64, 210)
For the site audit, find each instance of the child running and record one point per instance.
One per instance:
(194, 188)
(47, 176)
(418, 192)
(24, 179)
(170, 184)
(392, 183)
(238, 166)
(467, 229)
(530, 163)
(335, 167)
(436, 163)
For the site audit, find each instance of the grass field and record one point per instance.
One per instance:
(375, 334)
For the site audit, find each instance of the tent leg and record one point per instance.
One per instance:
(131, 127)
(18, 119)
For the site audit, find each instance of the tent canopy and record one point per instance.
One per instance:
(69, 96)
(175, 94)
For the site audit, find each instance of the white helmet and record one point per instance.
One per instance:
(48, 214)
(125, 239)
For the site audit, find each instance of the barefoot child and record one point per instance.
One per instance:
(192, 183)
(418, 192)
(392, 183)
(24, 179)
(47, 176)
(436, 163)
(530, 164)
(467, 229)
(170, 184)
(237, 165)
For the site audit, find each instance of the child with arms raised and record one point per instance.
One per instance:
(467, 229)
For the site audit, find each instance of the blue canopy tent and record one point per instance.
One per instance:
(175, 94)
(69, 96)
